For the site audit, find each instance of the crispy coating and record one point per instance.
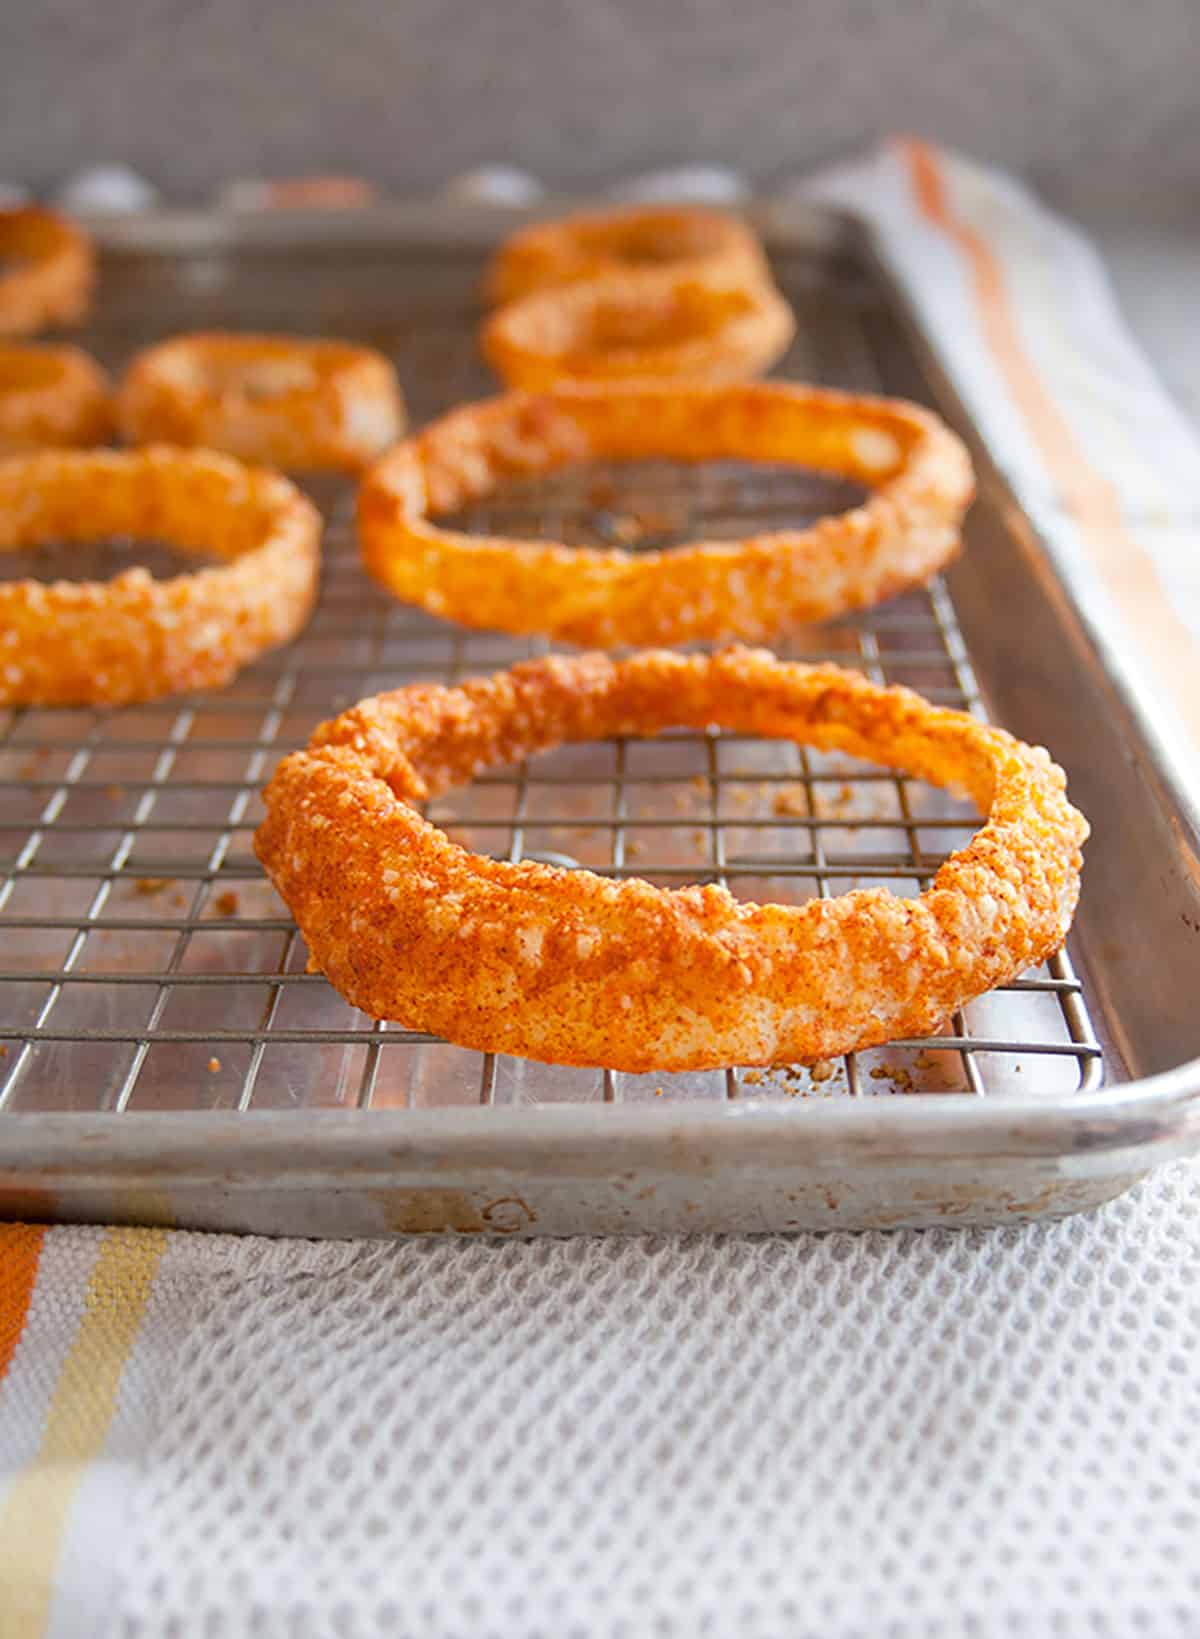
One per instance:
(571, 968)
(286, 401)
(596, 244)
(51, 397)
(134, 637)
(918, 471)
(46, 270)
(686, 327)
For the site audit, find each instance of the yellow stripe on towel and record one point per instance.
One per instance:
(34, 1516)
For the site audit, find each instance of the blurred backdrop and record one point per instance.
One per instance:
(1096, 100)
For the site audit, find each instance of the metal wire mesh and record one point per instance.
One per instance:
(146, 964)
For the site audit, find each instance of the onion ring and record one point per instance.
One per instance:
(283, 400)
(51, 396)
(568, 967)
(595, 244)
(683, 327)
(751, 588)
(50, 281)
(134, 637)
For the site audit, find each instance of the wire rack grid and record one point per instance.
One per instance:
(145, 964)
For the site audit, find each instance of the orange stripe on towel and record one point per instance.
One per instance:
(20, 1250)
(1125, 568)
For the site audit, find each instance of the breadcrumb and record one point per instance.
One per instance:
(791, 799)
(622, 527)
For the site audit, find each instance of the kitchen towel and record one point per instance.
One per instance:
(879, 1436)
(1018, 306)
(857, 1437)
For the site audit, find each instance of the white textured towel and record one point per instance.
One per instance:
(841, 1437)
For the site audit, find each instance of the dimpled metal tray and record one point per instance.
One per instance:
(168, 1058)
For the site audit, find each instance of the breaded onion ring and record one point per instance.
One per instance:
(46, 270)
(571, 968)
(286, 401)
(750, 588)
(134, 637)
(51, 396)
(685, 327)
(595, 244)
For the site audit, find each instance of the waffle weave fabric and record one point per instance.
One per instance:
(852, 1436)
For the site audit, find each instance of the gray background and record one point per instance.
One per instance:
(1095, 99)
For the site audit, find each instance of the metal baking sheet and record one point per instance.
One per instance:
(168, 1058)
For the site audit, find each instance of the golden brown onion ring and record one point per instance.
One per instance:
(908, 527)
(683, 327)
(51, 397)
(596, 244)
(571, 968)
(46, 270)
(134, 637)
(286, 401)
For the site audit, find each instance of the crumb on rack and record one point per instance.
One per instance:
(648, 521)
(835, 803)
(791, 799)
(148, 885)
(823, 1070)
(700, 841)
(897, 1074)
(227, 903)
(659, 1091)
(178, 900)
(214, 1064)
(635, 849)
(619, 526)
(754, 1078)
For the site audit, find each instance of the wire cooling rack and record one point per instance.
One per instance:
(145, 963)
